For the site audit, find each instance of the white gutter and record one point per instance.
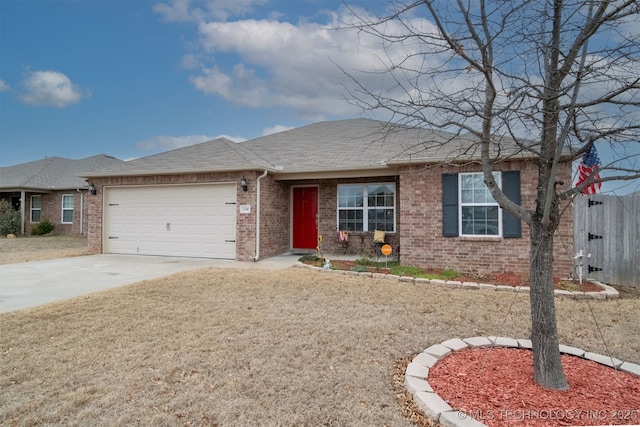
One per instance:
(257, 257)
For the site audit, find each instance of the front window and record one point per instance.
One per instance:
(480, 214)
(367, 207)
(36, 208)
(67, 208)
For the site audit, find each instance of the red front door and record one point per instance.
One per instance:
(305, 217)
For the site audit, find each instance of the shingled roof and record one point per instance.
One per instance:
(52, 173)
(330, 146)
(218, 155)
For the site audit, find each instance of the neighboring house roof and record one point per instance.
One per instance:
(52, 173)
(355, 144)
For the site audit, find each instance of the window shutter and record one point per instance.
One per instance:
(511, 226)
(450, 205)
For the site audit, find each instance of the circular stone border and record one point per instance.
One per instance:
(608, 292)
(434, 407)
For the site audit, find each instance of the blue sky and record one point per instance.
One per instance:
(130, 78)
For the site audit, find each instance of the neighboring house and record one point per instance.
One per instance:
(278, 193)
(51, 189)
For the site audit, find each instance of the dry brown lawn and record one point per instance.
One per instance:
(249, 347)
(40, 248)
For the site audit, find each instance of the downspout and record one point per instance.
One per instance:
(81, 212)
(23, 196)
(257, 257)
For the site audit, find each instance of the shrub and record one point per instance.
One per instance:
(309, 258)
(9, 218)
(42, 228)
(365, 260)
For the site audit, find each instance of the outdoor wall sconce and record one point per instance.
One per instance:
(92, 189)
(243, 183)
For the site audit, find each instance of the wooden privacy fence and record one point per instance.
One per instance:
(608, 228)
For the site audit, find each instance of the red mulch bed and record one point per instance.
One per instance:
(495, 386)
(507, 279)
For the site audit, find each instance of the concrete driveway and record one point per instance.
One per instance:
(31, 284)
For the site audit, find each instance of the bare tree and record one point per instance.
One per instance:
(553, 76)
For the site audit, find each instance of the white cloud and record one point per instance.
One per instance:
(270, 63)
(178, 11)
(275, 129)
(165, 143)
(198, 11)
(190, 62)
(50, 89)
(3, 86)
(212, 82)
(288, 65)
(233, 138)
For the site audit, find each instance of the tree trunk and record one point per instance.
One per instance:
(547, 369)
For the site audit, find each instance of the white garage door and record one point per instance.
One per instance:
(172, 220)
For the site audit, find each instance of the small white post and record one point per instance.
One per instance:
(580, 257)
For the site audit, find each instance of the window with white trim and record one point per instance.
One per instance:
(36, 208)
(67, 208)
(367, 207)
(480, 214)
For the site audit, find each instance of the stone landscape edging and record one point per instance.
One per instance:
(417, 372)
(608, 292)
(437, 409)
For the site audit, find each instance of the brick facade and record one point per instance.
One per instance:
(51, 210)
(423, 244)
(418, 236)
(275, 216)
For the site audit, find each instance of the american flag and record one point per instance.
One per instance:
(589, 166)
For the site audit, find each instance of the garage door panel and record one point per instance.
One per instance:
(189, 220)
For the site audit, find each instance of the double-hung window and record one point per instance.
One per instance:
(480, 214)
(36, 208)
(367, 207)
(67, 208)
(468, 209)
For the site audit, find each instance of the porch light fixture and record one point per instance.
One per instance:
(243, 183)
(92, 189)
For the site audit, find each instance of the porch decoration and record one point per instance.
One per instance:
(319, 247)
